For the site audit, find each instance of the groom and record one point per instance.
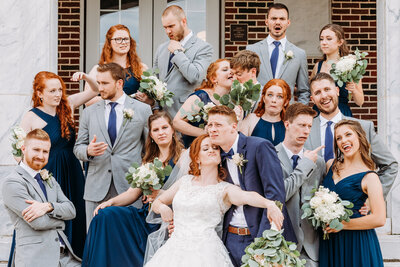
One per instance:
(261, 173)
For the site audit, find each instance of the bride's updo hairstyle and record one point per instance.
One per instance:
(194, 155)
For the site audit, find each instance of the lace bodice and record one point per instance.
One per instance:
(198, 209)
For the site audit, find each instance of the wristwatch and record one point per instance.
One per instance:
(176, 51)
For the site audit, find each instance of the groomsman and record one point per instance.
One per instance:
(38, 208)
(325, 95)
(183, 60)
(261, 173)
(245, 66)
(302, 170)
(280, 59)
(111, 137)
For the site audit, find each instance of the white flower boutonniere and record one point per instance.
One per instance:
(128, 115)
(288, 55)
(46, 176)
(239, 160)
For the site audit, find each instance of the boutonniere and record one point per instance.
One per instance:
(239, 160)
(46, 176)
(288, 55)
(128, 115)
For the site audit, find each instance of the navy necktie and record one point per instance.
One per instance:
(225, 155)
(112, 123)
(328, 142)
(169, 62)
(295, 158)
(38, 178)
(274, 57)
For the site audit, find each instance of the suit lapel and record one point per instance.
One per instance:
(101, 120)
(241, 149)
(32, 181)
(315, 135)
(289, 46)
(128, 104)
(283, 157)
(265, 58)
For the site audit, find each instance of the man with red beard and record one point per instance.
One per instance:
(280, 59)
(38, 208)
(183, 60)
(325, 95)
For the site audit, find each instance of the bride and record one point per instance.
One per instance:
(200, 201)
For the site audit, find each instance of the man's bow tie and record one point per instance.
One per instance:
(228, 155)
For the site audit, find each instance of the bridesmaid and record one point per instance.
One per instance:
(267, 120)
(118, 233)
(218, 80)
(353, 178)
(53, 112)
(334, 46)
(119, 47)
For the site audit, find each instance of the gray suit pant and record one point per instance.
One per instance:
(66, 260)
(309, 262)
(90, 206)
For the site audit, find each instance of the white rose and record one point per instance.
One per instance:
(316, 201)
(237, 159)
(44, 174)
(346, 64)
(289, 54)
(208, 106)
(19, 144)
(328, 199)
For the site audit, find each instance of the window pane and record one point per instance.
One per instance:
(130, 18)
(127, 4)
(107, 19)
(109, 4)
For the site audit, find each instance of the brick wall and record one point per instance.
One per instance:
(358, 18)
(69, 43)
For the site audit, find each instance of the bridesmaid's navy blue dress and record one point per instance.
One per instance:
(117, 236)
(67, 170)
(263, 129)
(343, 97)
(187, 139)
(350, 248)
(131, 84)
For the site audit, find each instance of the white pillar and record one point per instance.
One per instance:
(28, 44)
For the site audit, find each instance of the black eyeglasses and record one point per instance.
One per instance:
(120, 40)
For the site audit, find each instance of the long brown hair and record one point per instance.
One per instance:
(63, 109)
(152, 149)
(132, 60)
(287, 95)
(365, 147)
(195, 148)
(211, 74)
(339, 32)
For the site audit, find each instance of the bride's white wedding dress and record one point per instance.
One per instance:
(194, 242)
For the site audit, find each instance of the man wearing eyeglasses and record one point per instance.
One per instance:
(183, 60)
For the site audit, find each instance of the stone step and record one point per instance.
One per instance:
(390, 248)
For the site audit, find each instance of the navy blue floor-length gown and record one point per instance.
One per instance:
(67, 170)
(350, 248)
(117, 236)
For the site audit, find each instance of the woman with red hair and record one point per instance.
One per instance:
(218, 81)
(267, 119)
(53, 112)
(119, 47)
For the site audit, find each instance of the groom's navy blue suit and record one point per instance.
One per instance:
(262, 174)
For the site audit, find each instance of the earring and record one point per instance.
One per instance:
(199, 166)
(41, 99)
(152, 140)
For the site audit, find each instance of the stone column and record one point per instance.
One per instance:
(28, 44)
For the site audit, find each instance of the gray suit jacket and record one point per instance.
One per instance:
(115, 161)
(302, 179)
(383, 158)
(187, 72)
(37, 242)
(294, 71)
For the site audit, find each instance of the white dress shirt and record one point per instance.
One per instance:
(186, 39)
(281, 56)
(324, 121)
(28, 169)
(238, 219)
(119, 111)
(290, 154)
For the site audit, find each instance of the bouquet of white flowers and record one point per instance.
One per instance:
(156, 89)
(17, 140)
(197, 115)
(148, 176)
(272, 250)
(350, 68)
(325, 208)
(244, 95)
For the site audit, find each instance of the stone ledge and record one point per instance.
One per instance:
(385, 264)
(390, 248)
